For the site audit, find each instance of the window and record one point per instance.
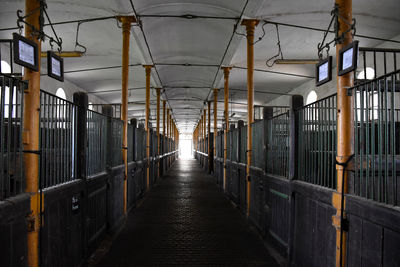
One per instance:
(369, 76)
(367, 105)
(61, 107)
(5, 67)
(311, 97)
(61, 93)
(90, 106)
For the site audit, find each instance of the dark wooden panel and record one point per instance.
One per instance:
(314, 235)
(354, 238)
(391, 248)
(63, 226)
(115, 198)
(13, 231)
(371, 244)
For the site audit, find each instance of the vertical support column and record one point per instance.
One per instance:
(134, 147)
(215, 119)
(250, 26)
(126, 30)
(31, 138)
(296, 102)
(164, 103)
(147, 122)
(210, 158)
(158, 90)
(226, 118)
(168, 148)
(204, 130)
(81, 100)
(345, 133)
(108, 111)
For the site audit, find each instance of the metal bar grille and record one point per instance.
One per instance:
(11, 118)
(116, 109)
(58, 120)
(243, 145)
(257, 155)
(96, 150)
(234, 145)
(140, 143)
(116, 137)
(376, 138)
(278, 145)
(131, 129)
(317, 142)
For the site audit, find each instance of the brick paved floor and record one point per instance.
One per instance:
(185, 220)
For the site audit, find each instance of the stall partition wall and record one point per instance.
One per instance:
(81, 176)
(293, 177)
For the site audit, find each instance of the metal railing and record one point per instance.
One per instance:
(257, 153)
(116, 109)
(243, 145)
(116, 139)
(96, 150)
(377, 139)
(277, 145)
(375, 62)
(141, 143)
(317, 142)
(57, 140)
(131, 130)
(11, 148)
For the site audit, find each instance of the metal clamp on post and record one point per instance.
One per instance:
(344, 223)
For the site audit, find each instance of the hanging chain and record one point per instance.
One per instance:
(279, 54)
(39, 33)
(338, 38)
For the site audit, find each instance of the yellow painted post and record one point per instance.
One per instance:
(345, 133)
(215, 119)
(168, 148)
(204, 130)
(158, 90)
(31, 139)
(250, 26)
(226, 118)
(210, 161)
(126, 30)
(147, 122)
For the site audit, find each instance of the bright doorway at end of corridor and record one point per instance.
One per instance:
(185, 146)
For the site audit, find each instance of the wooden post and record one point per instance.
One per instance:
(250, 26)
(168, 148)
(215, 119)
(158, 90)
(31, 139)
(204, 130)
(147, 122)
(226, 118)
(126, 30)
(345, 133)
(209, 138)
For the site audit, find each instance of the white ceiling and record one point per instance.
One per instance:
(198, 42)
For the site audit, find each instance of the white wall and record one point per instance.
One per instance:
(49, 84)
(323, 90)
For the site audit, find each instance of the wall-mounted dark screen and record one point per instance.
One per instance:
(25, 52)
